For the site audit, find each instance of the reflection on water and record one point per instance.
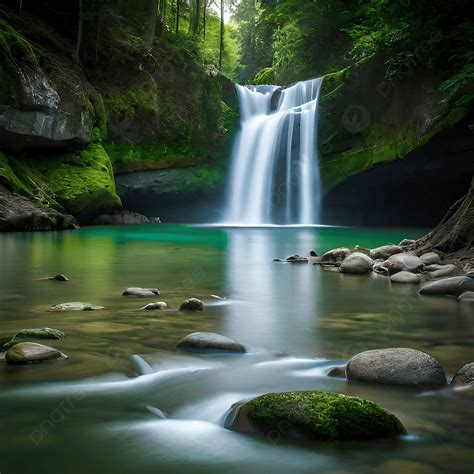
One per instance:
(87, 414)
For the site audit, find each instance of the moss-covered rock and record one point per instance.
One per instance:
(36, 333)
(315, 415)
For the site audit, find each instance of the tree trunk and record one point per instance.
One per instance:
(177, 15)
(221, 48)
(152, 18)
(204, 19)
(79, 34)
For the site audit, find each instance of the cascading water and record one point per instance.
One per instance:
(275, 174)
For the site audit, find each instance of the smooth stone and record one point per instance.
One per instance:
(336, 255)
(141, 292)
(59, 277)
(404, 262)
(396, 366)
(36, 333)
(357, 263)
(444, 271)
(209, 342)
(191, 304)
(407, 242)
(76, 306)
(313, 415)
(430, 258)
(277, 260)
(470, 274)
(464, 379)
(297, 259)
(339, 371)
(452, 286)
(466, 297)
(405, 277)
(155, 306)
(313, 254)
(30, 352)
(385, 251)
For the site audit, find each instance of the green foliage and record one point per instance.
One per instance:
(13, 46)
(264, 77)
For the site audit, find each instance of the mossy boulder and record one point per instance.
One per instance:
(30, 353)
(314, 415)
(35, 333)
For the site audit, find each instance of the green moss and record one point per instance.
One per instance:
(333, 82)
(14, 46)
(264, 77)
(321, 415)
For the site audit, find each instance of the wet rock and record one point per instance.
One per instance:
(385, 251)
(338, 371)
(277, 260)
(430, 258)
(452, 286)
(36, 333)
(313, 254)
(297, 259)
(357, 263)
(403, 262)
(396, 366)
(59, 277)
(191, 304)
(314, 415)
(380, 267)
(30, 352)
(466, 297)
(159, 305)
(336, 255)
(141, 292)
(125, 218)
(209, 342)
(407, 242)
(444, 271)
(75, 306)
(464, 379)
(405, 277)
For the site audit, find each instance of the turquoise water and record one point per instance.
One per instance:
(89, 414)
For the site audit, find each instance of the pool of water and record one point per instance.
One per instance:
(90, 414)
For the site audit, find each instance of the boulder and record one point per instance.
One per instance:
(466, 297)
(191, 304)
(444, 271)
(430, 258)
(125, 218)
(30, 352)
(396, 366)
(357, 263)
(155, 306)
(75, 306)
(297, 259)
(339, 371)
(403, 262)
(385, 251)
(464, 379)
(36, 333)
(141, 292)
(206, 342)
(314, 415)
(407, 243)
(452, 286)
(336, 255)
(405, 277)
(313, 254)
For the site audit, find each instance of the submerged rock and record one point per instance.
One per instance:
(59, 277)
(405, 277)
(155, 306)
(467, 297)
(336, 255)
(75, 306)
(464, 379)
(36, 333)
(357, 263)
(191, 304)
(314, 415)
(396, 366)
(338, 371)
(313, 254)
(141, 292)
(209, 342)
(297, 259)
(430, 258)
(125, 218)
(452, 286)
(403, 262)
(30, 352)
(385, 251)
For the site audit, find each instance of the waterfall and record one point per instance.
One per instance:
(274, 176)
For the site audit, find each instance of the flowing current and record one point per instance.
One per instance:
(275, 175)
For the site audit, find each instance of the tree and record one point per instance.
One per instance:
(177, 15)
(221, 47)
(152, 19)
(79, 33)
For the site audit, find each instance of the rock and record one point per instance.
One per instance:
(17, 213)
(363, 250)
(385, 251)
(36, 333)
(380, 267)
(338, 371)
(444, 271)
(209, 342)
(470, 274)
(336, 255)
(297, 259)
(75, 306)
(191, 304)
(141, 292)
(405, 277)
(464, 379)
(407, 242)
(155, 306)
(357, 263)
(396, 366)
(276, 260)
(313, 254)
(30, 352)
(125, 218)
(403, 262)
(430, 258)
(452, 286)
(59, 277)
(466, 297)
(314, 415)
